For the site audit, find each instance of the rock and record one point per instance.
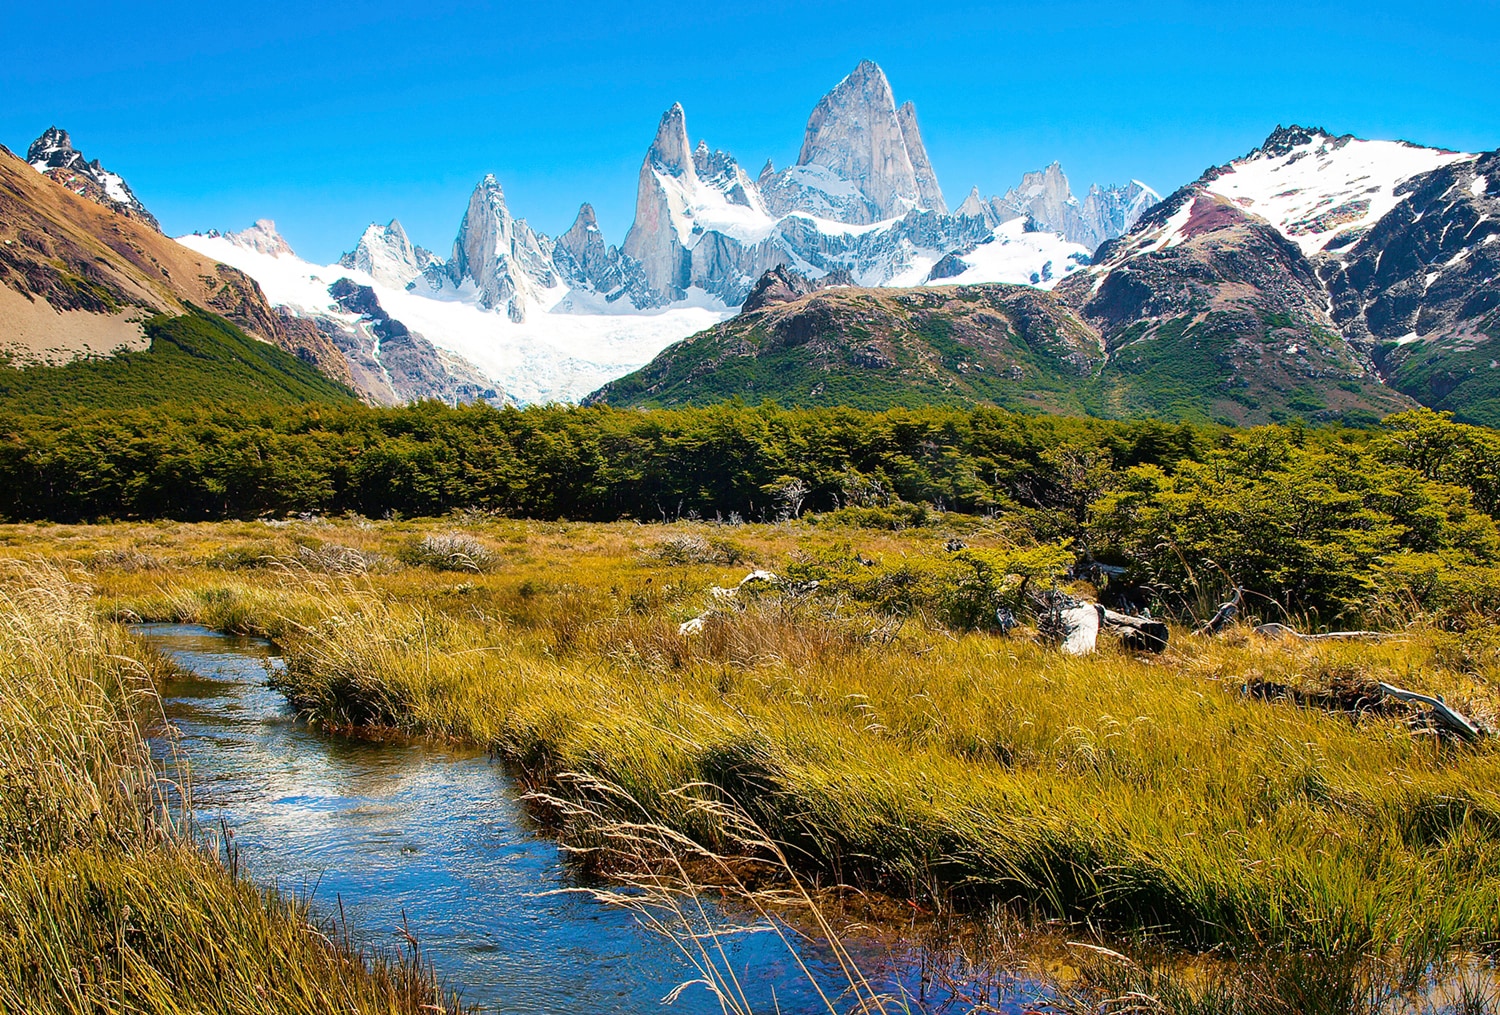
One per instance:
(949, 266)
(929, 194)
(262, 238)
(393, 364)
(508, 263)
(54, 156)
(855, 132)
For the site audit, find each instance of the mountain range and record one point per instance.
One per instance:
(1317, 276)
(533, 318)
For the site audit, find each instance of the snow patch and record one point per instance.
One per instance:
(1020, 258)
(1320, 189)
(1479, 186)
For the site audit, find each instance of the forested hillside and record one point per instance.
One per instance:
(197, 357)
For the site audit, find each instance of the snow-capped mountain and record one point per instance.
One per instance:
(54, 156)
(1315, 258)
(546, 318)
(386, 254)
(1046, 199)
(451, 346)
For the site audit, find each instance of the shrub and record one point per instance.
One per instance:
(245, 557)
(449, 551)
(690, 548)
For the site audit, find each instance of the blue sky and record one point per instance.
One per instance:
(326, 117)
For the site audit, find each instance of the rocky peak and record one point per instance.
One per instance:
(928, 191)
(54, 150)
(261, 238)
(669, 152)
(507, 262)
(585, 223)
(1283, 140)
(856, 132)
(974, 206)
(54, 156)
(387, 255)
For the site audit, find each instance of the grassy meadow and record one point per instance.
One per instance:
(862, 726)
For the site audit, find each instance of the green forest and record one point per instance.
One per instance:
(1335, 520)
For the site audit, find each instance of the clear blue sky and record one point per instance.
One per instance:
(326, 117)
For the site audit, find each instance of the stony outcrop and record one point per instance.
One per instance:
(1420, 290)
(54, 156)
(508, 263)
(392, 364)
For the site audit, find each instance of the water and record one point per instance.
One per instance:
(438, 836)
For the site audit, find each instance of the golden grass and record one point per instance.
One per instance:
(107, 906)
(1145, 794)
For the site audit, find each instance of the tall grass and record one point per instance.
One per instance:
(1148, 797)
(107, 905)
(1117, 790)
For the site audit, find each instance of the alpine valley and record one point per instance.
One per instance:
(1317, 277)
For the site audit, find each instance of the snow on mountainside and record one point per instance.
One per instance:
(549, 357)
(1319, 190)
(386, 254)
(54, 156)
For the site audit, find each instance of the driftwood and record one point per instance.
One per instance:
(1080, 628)
(1441, 712)
(1282, 631)
(722, 595)
(1223, 615)
(1077, 629)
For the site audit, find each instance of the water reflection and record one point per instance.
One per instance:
(435, 834)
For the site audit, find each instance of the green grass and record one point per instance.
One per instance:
(197, 357)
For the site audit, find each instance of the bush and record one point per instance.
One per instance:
(690, 548)
(245, 557)
(898, 516)
(449, 551)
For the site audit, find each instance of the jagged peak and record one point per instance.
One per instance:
(973, 206)
(52, 142)
(669, 151)
(585, 219)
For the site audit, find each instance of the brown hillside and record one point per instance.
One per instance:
(81, 277)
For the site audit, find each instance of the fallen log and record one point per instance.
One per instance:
(1274, 630)
(1080, 629)
(1441, 711)
(1141, 633)
(1223, 615)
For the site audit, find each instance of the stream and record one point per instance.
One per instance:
(437, 836)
